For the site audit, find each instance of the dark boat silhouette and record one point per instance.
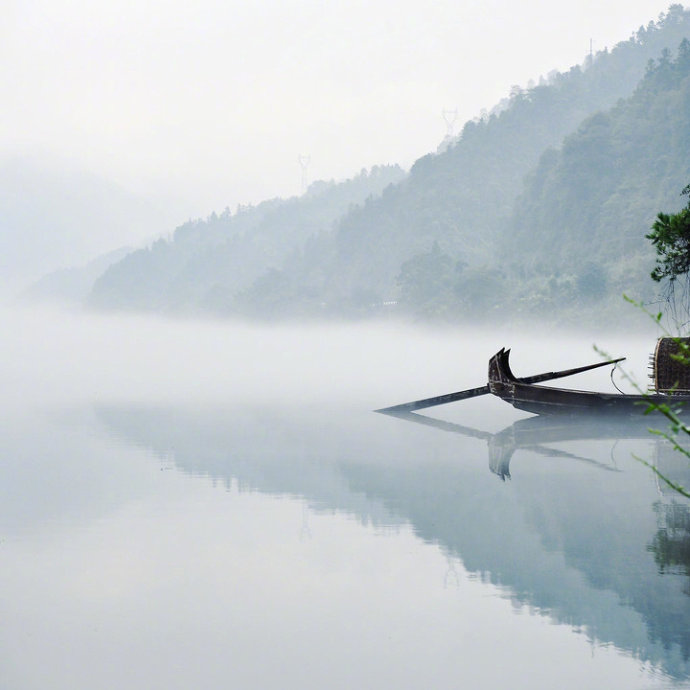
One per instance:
(671, 388)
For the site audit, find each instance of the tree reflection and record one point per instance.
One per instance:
(671, 544)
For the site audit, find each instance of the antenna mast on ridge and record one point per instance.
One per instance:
(304, 164)
(450, 117)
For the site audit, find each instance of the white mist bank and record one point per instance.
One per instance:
(57, 356)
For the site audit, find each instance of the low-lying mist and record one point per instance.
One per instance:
(62, 356)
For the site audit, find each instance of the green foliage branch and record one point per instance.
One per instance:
(677, 427)
(670, 237)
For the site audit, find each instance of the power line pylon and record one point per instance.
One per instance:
(450, 117)
(304, 164)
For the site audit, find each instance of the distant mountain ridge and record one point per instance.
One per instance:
(52, 218)
(471, 232)
(206, 263)
(71, 286)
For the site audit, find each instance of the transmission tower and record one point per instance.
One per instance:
(304, 164)
(450, 117)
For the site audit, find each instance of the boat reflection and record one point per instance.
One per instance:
(534, 433)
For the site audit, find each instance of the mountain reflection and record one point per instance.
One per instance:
(592, 540)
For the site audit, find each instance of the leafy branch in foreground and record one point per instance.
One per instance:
(670, 237)
(677, 426)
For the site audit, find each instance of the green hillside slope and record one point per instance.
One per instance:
(205, 263)
(493, 224)
(587, 207)
(434, 244)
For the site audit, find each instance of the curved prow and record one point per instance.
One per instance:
(499, 368)
(501, 373)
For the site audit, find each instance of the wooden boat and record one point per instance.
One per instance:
(671, 388)
(547, 400)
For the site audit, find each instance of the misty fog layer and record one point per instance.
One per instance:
(54, 355)
(188, 501)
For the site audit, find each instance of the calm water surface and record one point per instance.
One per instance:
(158, 538)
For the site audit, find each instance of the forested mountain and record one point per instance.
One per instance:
(463, 198)
(575, 241)
(591, 202)
(206, 263)
(542, 203)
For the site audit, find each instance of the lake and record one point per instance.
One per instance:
(188, 504)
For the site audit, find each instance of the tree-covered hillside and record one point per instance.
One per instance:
(587, 207)
(205, 263)
(500, 221)
(430, 243)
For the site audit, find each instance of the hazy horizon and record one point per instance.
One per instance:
(52, 354)
(210, 106)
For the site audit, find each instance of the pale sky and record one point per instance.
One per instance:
(212, 102)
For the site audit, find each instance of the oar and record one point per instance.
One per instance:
(483, 390)
(438, 400)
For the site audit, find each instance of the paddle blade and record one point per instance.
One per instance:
(438, 400)
(550, 376)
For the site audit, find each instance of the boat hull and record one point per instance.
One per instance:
(545, 400)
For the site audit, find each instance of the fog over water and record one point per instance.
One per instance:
(191, 504)
(62, 355)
